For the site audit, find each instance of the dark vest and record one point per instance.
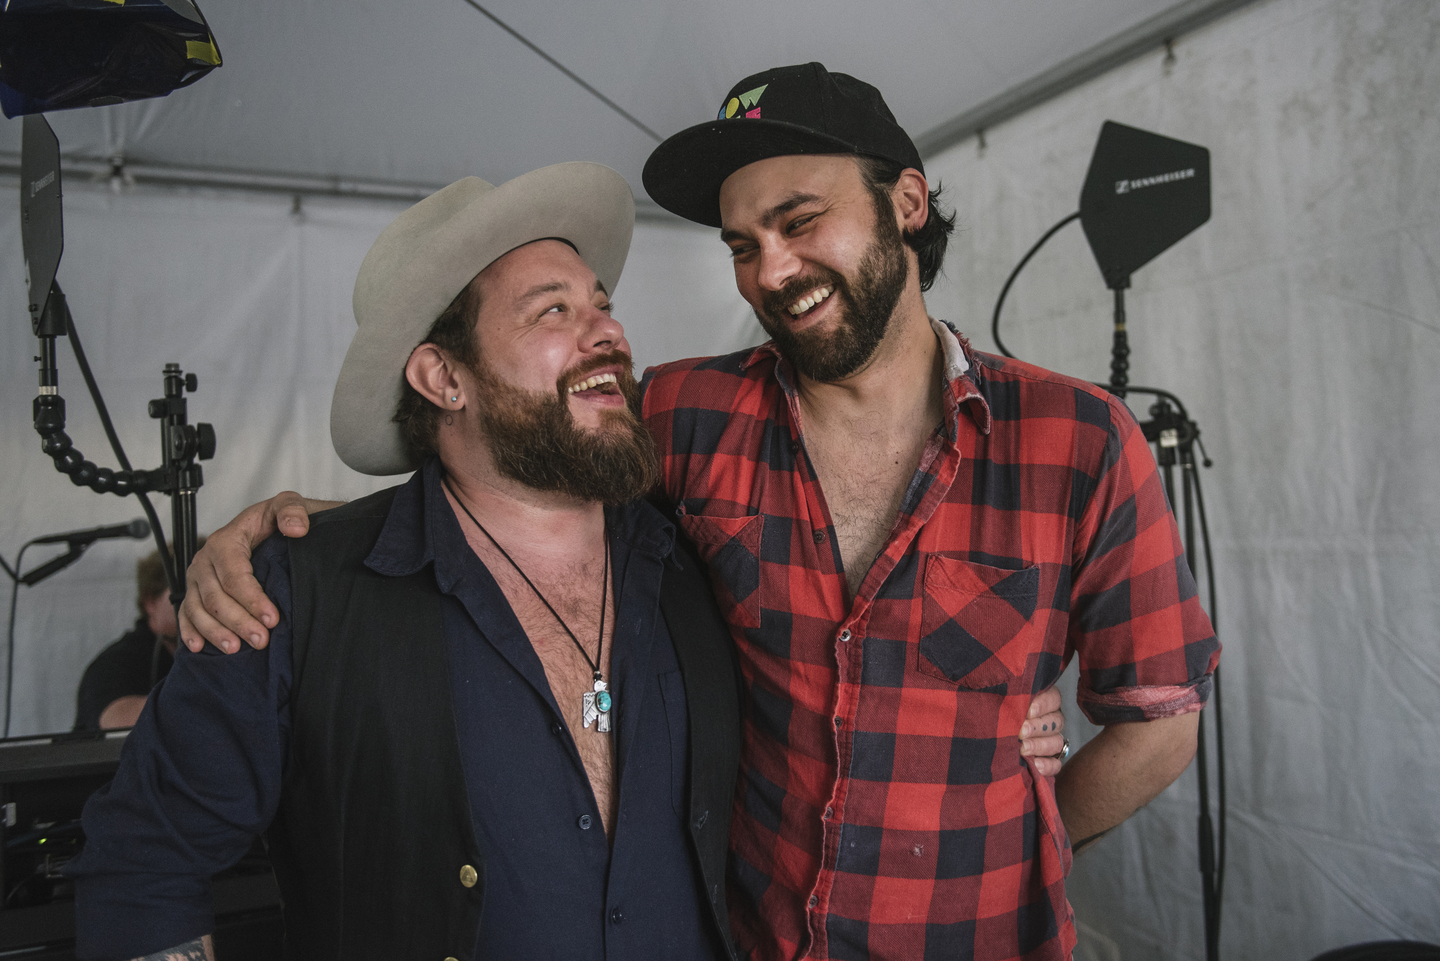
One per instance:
(374, 841)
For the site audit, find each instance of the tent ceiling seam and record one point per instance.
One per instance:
(98, 172)
(566, 71)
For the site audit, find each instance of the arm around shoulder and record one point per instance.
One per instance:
(223, 601)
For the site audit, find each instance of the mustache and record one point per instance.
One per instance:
(585, 368)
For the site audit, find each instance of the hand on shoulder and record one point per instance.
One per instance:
(224, 603)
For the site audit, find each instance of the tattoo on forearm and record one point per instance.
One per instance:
(189, 951)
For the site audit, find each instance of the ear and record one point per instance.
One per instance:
(911, 197)
(434, 375)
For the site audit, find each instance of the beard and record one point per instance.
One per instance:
(534, 439)
(867, 303)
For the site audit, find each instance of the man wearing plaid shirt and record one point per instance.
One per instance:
(908, 539)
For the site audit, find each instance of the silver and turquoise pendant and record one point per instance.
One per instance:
(596, 708)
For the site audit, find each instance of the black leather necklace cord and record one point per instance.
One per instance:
(604, 587)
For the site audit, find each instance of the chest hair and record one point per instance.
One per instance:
(574, 591)
(864, 476)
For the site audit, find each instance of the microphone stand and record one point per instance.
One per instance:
(1175, 435)
(41, 223)
(56, 564)
(180, 477)
(180, 443)
(29, 579)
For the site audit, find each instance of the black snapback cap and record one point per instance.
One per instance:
(802, 109)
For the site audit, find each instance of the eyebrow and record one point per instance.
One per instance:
(554, 286)
(767, 220)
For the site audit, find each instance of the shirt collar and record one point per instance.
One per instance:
(962, 375)
(421, 528)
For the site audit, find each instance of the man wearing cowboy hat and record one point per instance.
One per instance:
(498, 716)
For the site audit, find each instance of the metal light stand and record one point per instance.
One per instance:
(181, 444)
(1175, 436)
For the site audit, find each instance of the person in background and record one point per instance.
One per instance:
(115, 684)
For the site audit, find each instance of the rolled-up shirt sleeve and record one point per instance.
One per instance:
(1147, 649)
(199, 778)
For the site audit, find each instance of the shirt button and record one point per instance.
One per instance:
(616, 916)
(845, 635)
(839, 721)
(468, 876)
(700, 821)
(795, 447)
(814, 900)
(829, 813)
(557, 729)
(584, 822)
(819, 536)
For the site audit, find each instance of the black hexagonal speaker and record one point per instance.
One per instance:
(1143, 192)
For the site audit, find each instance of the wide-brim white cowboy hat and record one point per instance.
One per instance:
(422, 261)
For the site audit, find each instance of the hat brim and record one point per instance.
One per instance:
(684, 173)
(422, 261)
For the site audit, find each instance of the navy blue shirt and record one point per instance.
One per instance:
(201, 772)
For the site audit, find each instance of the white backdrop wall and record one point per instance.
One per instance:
(255, 299)
(1301, 327)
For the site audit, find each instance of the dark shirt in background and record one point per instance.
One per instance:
(121, 670)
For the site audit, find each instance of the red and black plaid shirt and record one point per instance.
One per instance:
(884, 809)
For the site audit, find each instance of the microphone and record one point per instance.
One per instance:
(138, 528)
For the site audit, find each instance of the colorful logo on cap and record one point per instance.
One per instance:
(747, 100)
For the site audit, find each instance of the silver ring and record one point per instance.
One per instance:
(1064, 754)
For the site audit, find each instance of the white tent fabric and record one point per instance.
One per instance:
(1300, 327)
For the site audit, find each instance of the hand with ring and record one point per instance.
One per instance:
(1042, 735)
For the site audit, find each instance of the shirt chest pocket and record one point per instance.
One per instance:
(730, 547)
(977, 623)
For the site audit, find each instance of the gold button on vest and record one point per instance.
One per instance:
(468, 877)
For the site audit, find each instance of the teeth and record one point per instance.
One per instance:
(808, 301)
(595, 381)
